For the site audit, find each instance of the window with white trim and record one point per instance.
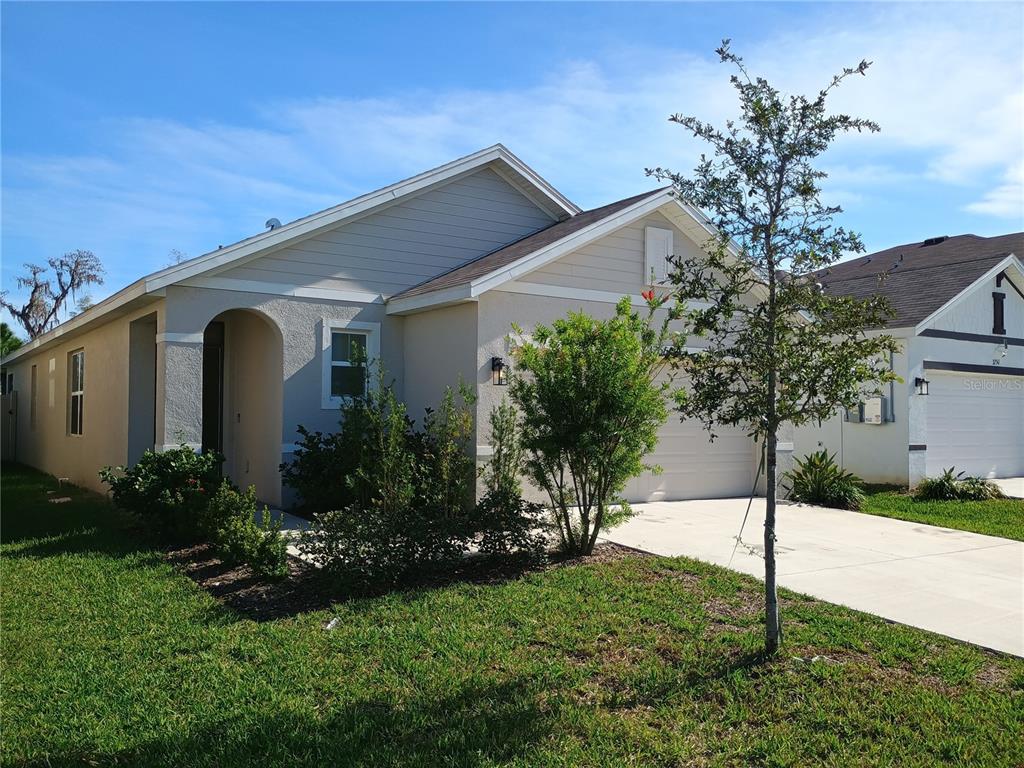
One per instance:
(657, 250)
(76, 391)
(349, 349)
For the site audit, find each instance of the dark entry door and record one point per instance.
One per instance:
(213, 387)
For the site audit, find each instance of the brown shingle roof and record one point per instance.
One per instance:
(506, 255)
(920, 277)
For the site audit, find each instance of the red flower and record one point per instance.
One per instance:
(648, 295)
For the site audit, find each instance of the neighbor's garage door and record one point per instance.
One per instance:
(976, 424)
(693, 468)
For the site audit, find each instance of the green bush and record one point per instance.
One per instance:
(168, 490)
(405, 502)
(230, 523)
(817, 479)
(955, 487)
(591, 403)
(506, 523)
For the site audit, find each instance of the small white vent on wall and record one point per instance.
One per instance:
(657, 249)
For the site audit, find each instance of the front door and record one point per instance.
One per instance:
(213, 387)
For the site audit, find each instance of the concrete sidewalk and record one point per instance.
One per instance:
(964, 585)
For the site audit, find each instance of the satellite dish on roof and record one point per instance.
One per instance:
(272, 223)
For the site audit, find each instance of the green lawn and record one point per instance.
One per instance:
(997, 517)
(110, 655)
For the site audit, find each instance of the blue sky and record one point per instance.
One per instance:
(134, 129)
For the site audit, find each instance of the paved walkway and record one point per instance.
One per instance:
(955, 583)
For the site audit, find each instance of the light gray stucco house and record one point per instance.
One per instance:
(234, 349)
(959, 315)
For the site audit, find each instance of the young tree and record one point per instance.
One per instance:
(591, 406)
(8, 341)
(47, 297)
(779, 348)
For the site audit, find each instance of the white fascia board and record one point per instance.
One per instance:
(119, 300)
(578, 239)
(567, 206)
(308, 226)
(432, 300)
(1009, 261)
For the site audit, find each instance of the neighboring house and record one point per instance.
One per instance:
(234, 349)
(959, 304)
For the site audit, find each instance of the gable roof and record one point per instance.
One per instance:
(497, 157)
(506, 255)
(919, 279)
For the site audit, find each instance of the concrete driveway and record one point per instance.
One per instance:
(959, 584)
(1012, 486)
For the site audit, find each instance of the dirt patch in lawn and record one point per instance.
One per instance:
(307, 588)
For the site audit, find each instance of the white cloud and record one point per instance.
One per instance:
(945, 85)
(1005, 200)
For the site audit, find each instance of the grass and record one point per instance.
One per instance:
(996, 517)
(110, 655)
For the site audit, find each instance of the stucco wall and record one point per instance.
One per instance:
(253, 389)
(440, 349)
(49, 446)
(877, 453)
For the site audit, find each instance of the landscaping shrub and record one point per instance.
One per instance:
(319, 471)
(955, 487)
(505, 522)
(229, 521)
(168, 490)
(591, 405)
(406, 501)
(817, 479)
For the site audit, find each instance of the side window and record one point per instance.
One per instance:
(348, 364)
(76, 391)
(349, 351)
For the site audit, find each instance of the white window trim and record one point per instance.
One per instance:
(329, 326)
(73, 393)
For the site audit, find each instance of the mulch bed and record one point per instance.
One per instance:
(306, 588)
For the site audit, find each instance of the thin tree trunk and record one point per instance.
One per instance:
(772, 622)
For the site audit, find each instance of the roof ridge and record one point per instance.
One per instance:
(919, 267)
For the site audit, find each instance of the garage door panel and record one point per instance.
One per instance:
(976, 424)
(693, 467)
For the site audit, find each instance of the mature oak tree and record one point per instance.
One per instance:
(47, 296)
(779, 349)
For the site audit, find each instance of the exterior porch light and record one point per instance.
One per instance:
(921, 386)
(499, 372)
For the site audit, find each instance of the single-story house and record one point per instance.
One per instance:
(234, 349)
(959, 315)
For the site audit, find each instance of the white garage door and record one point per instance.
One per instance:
(693, 468)
(976, 424)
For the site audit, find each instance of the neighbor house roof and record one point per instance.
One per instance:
(920, 278)
(509, 254)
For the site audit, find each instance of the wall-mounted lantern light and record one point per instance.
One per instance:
(499, 372)
(921, 386)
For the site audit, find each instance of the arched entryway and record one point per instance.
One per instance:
(242, 398)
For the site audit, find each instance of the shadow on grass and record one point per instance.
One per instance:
(480, 723)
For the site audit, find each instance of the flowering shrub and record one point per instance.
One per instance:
(168, 490)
